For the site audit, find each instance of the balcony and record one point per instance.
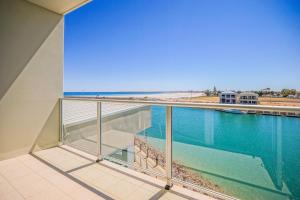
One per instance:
(133, 149)
(92, 148)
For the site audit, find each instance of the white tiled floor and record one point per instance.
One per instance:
(57, 174)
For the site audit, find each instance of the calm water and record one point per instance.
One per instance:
(248, 156)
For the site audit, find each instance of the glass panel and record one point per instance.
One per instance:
(134, 135)
(80, 125)
(243, 155)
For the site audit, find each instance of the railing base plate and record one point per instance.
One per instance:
(168, 187)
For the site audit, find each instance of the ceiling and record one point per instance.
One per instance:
(60, 6)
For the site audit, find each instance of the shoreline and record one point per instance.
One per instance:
(179, 171)
(266, 101)
(266, 112)
(211, 181)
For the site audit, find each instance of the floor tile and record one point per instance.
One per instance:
(141, 194)
(84, 194)
(16, 173)
(172, 196)
(122, 189)
(5, 187)
(26, 177)
(11, 196)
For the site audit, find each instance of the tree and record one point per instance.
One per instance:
(207, 92)
(215, 91)
(260, 93)
(287, 92)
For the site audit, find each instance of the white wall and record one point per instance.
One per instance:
(31, 77)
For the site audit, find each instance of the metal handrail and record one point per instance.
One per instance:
(188, 104)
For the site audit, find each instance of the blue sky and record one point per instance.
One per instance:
(146, 45)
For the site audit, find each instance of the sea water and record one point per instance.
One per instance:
(248, 156)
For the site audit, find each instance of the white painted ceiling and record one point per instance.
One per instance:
(60, 6)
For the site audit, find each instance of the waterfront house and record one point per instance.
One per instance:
(248, 98)
(228, 97)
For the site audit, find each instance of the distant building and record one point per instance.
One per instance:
(297, 95)
(228, 97)
(248, 98)
(291, 96)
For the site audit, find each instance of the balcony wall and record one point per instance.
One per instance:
(31, 77)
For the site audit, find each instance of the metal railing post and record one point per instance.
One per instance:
(99, 132)
(169, 147)
(61, 130)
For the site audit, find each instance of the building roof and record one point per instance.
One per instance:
(75, 112)
(228, 92)
(248, 94)
(60, 6)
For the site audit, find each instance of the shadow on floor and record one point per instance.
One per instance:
(88, 163)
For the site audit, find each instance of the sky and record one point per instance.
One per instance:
(172, 45)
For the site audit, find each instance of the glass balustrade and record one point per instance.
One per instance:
(224, 154)
(79, 125)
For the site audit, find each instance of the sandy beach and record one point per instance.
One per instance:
(157, 96)
(177, 95)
